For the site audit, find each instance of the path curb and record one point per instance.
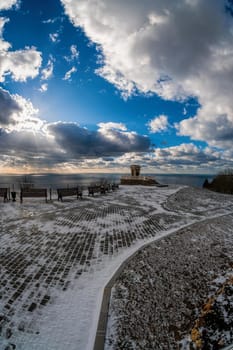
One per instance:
(103, 318)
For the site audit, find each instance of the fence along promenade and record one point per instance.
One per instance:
(48, 191)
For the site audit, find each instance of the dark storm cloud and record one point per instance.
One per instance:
(80, 142)
(8, 106)
(67, 143)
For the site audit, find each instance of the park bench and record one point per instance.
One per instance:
(102, 188)
(114, 186)
(3, 193)
(65, 192)
(96, 189)
(33, 192)
(107, 187)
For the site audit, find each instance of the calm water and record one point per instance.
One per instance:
(55, 180)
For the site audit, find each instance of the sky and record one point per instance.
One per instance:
(97, 85)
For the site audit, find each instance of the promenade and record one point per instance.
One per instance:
(56, 257)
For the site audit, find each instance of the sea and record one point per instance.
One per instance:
(55, 181)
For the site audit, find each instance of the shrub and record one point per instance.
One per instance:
(223, 182)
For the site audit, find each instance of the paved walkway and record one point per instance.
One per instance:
(162, 295)
(46, 248)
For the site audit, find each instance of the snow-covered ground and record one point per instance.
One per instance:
(56, 258)
(177, 293)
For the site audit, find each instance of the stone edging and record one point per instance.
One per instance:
(103, 316)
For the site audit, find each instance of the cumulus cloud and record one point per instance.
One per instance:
(24, 143)
(138, 50)
(215, 128)
(181, 158)
(27, 139)
(175, 49)
(158, 124)
(29, 148)
(185, 154)
(104, 127)
(7, 4)
(67, 145)
(17, 113)
(9, 107)
(106, 141)
(24, 138)
(20, 64)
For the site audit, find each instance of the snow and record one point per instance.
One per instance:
(70, 250)
(156, 300)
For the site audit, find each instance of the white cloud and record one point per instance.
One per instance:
(118, 134)
(107, 140)
(20, 64)
(24, 137)
(3, 21)
(17, 113)
(27, 139)
(74, 54)
(188, 158)
(158, 124)
(43, 88)
(111, 125)
(9, 108)
(175, 49)
(54, 37)
(27, 118)
(182, 158)
(213, 126)
(4, 45)
(7, 4)
(50, 21)
(47, 72)
(69, 73)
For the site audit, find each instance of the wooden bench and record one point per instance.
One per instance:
(96, 189)
(114, 186)
(107, 187)
(33, 192)
(102, 188)
(3, 193)
(65, 192)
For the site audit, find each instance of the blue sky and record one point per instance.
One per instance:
(94, 86)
